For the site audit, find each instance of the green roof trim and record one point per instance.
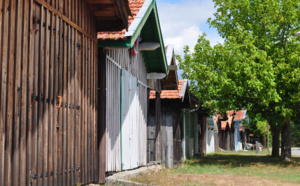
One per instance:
(115, 43)
(141, 25)
(147, 26)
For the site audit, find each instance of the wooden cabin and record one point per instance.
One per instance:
(211, 131)
(129, 59)
(240, 131)
(230, 129)
(49, 100)
(170, 82)
(173, 132)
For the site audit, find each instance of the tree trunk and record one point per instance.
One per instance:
(275, 141)
(286, 151)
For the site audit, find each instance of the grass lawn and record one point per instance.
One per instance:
(233, 168)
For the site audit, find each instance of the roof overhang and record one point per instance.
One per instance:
(146, 27)
(111, 15)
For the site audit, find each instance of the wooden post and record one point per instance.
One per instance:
(268, 138)
(102, 115)
(158, 146)
(256, 146)
(204, 134)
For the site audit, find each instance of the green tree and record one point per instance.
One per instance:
(257, 125)
(257, 67)
(295, 128)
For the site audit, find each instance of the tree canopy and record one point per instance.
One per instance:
(258, 65)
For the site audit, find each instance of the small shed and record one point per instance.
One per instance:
(211, 129)
(239, 129)
(225, 132)
(129, 59)
(178, 129)
(230, 128)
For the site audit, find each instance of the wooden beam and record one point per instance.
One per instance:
(123, 12)
(155, 75)
(169, 85)
(149, 46)
(172, 67)
(102, 26)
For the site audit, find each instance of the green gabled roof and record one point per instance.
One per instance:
(147, 26)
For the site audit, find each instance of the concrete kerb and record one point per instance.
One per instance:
(121, 178)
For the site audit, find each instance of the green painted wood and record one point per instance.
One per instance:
(150, 31)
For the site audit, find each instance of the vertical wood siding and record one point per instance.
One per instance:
(142, 122)
(190, 140)
(113, 148)
(48, 101)
(167, 139)
(126, 97)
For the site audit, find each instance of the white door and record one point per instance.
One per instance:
(210, 140)
(130, 127)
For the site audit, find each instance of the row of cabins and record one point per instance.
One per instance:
(226, 132)
(75, 100)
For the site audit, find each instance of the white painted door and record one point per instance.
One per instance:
(210, 139)
(130, 128)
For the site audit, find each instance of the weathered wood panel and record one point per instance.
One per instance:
(167, 139)
(142, 122)
(48, 101)
(133, 117)
(151, 132)
(190, 138)
(113, 97)
(126, 97)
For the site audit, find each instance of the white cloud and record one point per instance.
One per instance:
(187, 36)
(184, 21)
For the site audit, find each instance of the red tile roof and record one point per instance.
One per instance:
(168, 94)
(135, 6)
(239, 115)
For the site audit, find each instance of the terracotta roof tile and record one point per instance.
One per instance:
(135, 6)
(168, 94)
(239, 115)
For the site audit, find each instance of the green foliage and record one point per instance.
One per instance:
(257, 125)
(257, 67)
(295, 134)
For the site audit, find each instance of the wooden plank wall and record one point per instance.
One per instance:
(118, 60)
(48, 101)
(142, 123)
(113, 144)
(151, 131)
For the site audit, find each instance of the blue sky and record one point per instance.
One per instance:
(182, 21)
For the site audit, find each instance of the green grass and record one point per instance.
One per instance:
(232, 168)
(243, 163)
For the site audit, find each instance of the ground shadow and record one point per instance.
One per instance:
(235, 160)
